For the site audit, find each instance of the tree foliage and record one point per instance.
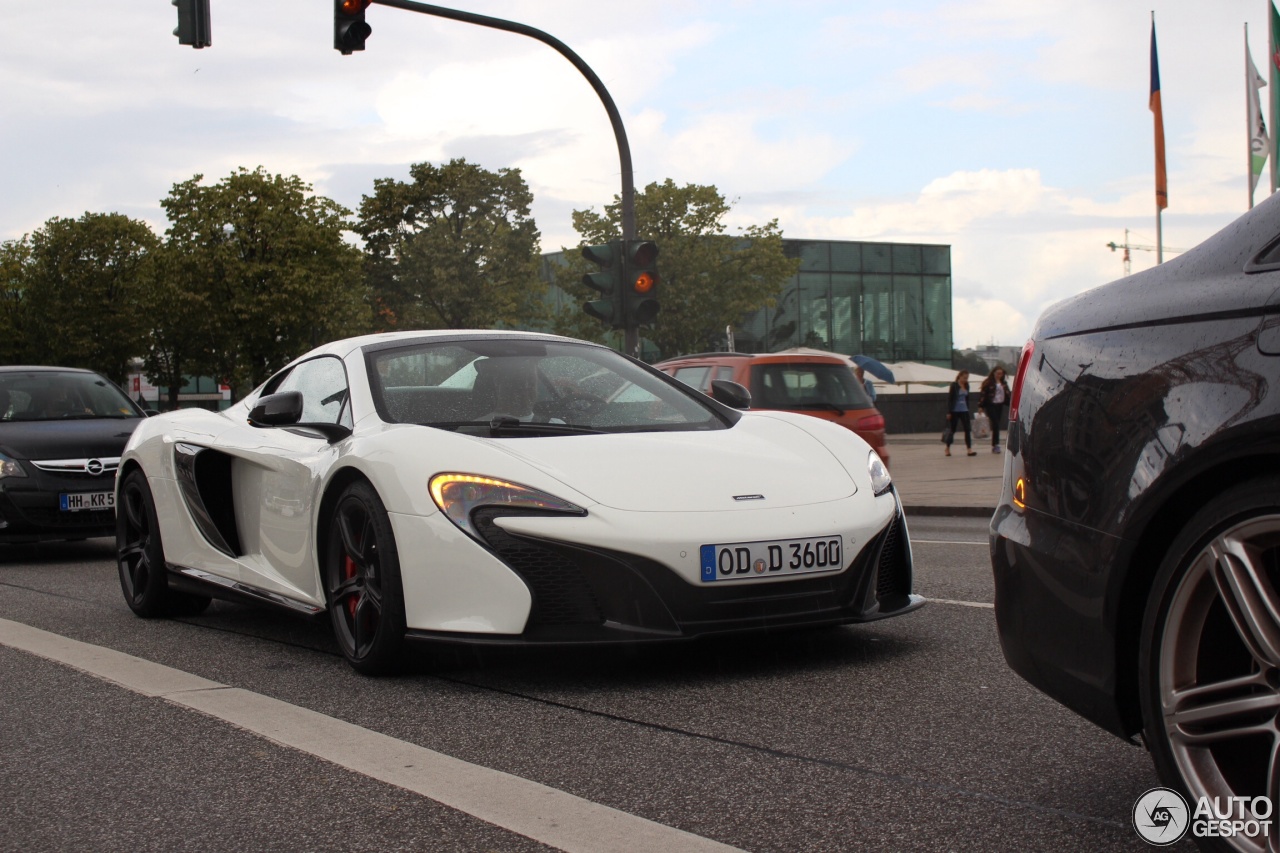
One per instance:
(455, 247)
(256, 272)
(709, 278)
(15, 260)
(81, 284)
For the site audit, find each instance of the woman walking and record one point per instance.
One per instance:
(992, 398)
(958, 412)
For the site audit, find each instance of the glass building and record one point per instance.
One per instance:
(891, 301)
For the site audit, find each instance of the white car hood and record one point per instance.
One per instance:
(759, 463)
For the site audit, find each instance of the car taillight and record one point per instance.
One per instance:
(1028, 350)
(870, 423)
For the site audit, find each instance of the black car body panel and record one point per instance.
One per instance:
(1142, 399)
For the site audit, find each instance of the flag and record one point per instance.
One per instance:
(1259, 143)
(1162, 189)
(1274, 69)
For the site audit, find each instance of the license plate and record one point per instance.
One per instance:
(76, 501)
(743, 560)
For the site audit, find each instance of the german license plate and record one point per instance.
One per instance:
(743, 560)
(76, 501)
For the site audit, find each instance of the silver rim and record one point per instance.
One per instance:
(1220, 672)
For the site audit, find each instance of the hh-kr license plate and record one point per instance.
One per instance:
(743, 560)
(76, 501)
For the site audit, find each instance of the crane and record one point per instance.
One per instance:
(1126, 245)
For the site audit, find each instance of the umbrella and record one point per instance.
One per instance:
(875, 368)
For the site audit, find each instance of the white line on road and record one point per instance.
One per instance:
(914, 541)
(536, 811)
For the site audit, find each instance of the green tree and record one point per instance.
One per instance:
(83, 283)
(969, 361)
(256, 272)
(15, 258)
(455, 247)
(709, 278)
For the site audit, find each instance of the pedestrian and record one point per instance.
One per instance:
(866, 383)
(993, 397)
(958, 413)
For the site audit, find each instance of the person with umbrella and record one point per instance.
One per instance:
(864, 364)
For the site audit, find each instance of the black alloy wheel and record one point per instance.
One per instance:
(362, 582)
(140, 556)
(1210, 660)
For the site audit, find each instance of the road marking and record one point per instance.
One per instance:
(537, 811)
(914, 540)
(961, 603)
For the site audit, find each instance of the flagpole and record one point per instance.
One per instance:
(1274, 94)
(1158, 114)
(1248, 125)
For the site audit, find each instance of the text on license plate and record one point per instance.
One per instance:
(742, 560)
(75, 501)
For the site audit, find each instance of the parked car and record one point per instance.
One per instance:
(475, 487)
(822, 386)
(1136, 547)
(62, 431)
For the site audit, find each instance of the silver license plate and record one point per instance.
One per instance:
(77, 501)
(744, 560)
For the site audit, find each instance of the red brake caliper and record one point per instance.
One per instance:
(348, 572)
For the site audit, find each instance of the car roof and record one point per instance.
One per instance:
(43, 368)
(762, 357)
(344, 347)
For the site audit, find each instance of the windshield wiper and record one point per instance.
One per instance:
(505, 424)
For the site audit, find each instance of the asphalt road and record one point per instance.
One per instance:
(909, 733)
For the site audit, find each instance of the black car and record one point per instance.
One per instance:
(62, 432)
(1136, 548)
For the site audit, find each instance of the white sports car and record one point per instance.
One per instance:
(507, 487)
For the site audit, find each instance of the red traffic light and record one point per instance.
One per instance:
(644, 282)
(353, 7)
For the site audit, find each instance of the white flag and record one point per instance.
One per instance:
(1259, 142)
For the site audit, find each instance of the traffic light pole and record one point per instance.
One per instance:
(631, 332)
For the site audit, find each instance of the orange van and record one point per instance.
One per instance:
(811, 384)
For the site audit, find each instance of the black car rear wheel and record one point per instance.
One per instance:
(362, 580)
(1210, 658)
(140, 556)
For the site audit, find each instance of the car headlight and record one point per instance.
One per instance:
(881, 482)
(458, 495)
(10, 468)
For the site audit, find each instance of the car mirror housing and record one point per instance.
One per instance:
(730, 393)
(283, 409)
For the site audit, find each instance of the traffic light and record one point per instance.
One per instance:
(193, 23)
(640, 283)
(349, 28)
(608, 282)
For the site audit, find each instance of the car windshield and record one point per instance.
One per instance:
(512, 387)
(49, 395)
(806, 385)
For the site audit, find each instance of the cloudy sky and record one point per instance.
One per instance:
(1016, 132)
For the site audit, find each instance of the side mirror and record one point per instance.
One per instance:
(280, 409)
(730, 393)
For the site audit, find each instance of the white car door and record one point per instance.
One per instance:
(277, 474)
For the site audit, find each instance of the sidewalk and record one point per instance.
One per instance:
(932, 484)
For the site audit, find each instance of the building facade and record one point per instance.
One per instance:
(891, 301)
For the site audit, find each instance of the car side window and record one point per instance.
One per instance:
(323, 383)
(694, 377)
(724, 372)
